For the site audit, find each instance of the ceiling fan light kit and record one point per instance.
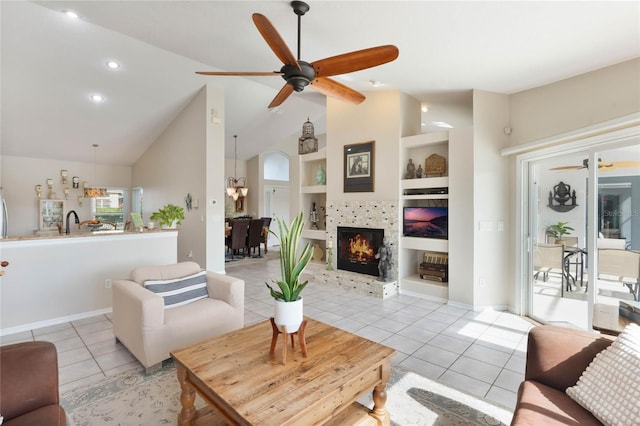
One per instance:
(299, 74)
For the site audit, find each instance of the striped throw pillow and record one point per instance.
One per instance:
(180, 291)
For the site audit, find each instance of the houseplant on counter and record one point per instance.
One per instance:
(558, 230)
(288, 301)
(169, 216)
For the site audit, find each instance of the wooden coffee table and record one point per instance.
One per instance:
(244, 384)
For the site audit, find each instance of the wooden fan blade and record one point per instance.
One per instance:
(282, 95)
(329, 87)
(355, 61)
(567, 168)
(625, 163)
(241, 73)
(274, 40)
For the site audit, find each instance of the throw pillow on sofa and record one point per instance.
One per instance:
(180, 291)
(609, 388)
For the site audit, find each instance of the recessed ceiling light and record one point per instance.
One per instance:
(375, 83)
(113, 65)
(71, 14)
(442, 124)
(97, 98)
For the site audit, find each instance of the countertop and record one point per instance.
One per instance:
(55, 236)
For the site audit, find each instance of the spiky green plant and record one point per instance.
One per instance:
(291, 265)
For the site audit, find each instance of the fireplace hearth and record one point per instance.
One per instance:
(357, 249)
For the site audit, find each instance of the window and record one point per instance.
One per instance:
(110, 208)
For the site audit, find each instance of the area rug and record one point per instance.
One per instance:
(135, 399)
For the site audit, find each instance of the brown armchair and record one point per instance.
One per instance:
(29, 385)
(556, 357)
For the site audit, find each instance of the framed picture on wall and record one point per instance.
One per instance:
(51, 215)
(359, 167)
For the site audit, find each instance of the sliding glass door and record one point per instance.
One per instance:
(581, 224)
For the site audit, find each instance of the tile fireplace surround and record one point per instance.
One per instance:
(365, 214)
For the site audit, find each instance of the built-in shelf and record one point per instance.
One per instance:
(314, 189)
(314, 234)
(428, 182)
(425, 191)
(426, 244)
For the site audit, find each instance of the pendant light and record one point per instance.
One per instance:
(95, 192)
(236, 187)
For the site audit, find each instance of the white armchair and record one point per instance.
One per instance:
(150, 331)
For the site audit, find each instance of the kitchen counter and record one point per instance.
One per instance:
(81, 234)
(60, 278)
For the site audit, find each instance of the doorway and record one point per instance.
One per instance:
(560, 188)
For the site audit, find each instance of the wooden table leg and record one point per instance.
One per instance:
(187, 398)
(379, 411)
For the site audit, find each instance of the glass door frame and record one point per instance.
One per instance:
(592, 141)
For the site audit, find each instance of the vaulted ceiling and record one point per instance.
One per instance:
(51, 64)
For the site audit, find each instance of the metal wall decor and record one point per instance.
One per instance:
(307, 142)
(561, 195)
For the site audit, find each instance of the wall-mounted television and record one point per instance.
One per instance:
(425, 222)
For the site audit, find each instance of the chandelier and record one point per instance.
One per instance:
(236, 187)
(95, 192)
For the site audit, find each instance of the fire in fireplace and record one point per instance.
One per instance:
(357, 249)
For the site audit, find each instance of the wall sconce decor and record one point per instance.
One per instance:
(63, 176)
(562, 194)
(80, 200)
(75, 182)
(66, 193)
(50, 184)
(39, 190)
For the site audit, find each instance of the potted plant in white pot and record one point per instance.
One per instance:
(169, 216)
(288, 301)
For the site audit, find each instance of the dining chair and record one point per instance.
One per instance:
(238, 238)
(265, 228)
(549, 258)
(254, 237)
(622, 266)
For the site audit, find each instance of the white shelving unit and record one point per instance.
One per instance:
(311, 192)
(422, 192)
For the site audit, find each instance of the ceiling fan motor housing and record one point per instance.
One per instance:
(298, 79)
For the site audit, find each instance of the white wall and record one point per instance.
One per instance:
(56, 280)
(20, 175)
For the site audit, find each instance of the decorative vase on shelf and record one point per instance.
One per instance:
(321, 176)
(288, 314)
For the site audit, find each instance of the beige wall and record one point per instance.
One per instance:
(379, 118)
(575, 103)
(20, 175)
(491, 189)
(176, 164)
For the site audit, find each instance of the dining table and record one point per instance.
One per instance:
(265, 234)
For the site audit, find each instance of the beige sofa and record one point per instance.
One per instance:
(151, 332)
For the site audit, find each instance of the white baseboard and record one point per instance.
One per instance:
(53, 321)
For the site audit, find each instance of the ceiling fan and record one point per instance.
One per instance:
(603, 166)
(298, 74)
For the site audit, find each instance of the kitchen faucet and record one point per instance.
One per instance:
(66, 230)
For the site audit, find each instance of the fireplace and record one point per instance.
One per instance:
(357, 249)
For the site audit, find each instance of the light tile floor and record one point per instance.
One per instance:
(481, 353)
